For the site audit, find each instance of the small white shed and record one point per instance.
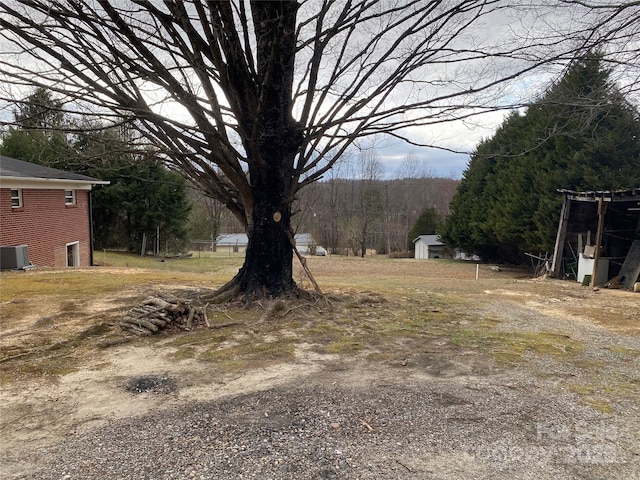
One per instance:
(428, 246)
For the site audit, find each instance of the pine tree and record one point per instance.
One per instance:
(581, 135)
(426, 224)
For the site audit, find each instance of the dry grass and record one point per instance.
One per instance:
(54, 322)
(377, 302)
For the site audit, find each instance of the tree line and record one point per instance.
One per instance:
(349, 213)
(143, 196)
(582, 134)
(359, 216)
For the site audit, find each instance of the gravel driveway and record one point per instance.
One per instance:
(354, 422)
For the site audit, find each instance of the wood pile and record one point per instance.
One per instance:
(164, 312)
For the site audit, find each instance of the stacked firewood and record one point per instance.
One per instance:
(164, 312)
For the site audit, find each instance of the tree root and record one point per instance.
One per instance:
(228, 292)
(273, 308)
(165, 311)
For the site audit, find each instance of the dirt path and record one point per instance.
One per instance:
(502, 379)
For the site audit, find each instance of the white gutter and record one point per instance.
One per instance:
(49, 183)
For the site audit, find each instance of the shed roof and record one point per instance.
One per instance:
(232, 239)
(429, 239)
(304, 239)
(241, 239)
(626, 195)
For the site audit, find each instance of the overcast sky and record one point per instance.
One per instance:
(440, 163)
(452, 137)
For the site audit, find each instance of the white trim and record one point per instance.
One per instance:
(76, 254)
(72, 197)
(20, 199)
(48, 183)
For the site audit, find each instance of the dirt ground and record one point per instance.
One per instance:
(562, 359)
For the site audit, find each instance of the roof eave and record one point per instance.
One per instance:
(49, 183)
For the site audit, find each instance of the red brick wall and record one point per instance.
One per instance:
(46, 225)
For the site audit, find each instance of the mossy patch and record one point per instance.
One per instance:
(250, 353)
(536, 343)
(48, 367)
(345, 346)
(590, 396)
(325, 333)
(184, 353)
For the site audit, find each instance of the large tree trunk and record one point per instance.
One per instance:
(268, 265)
(272, 146)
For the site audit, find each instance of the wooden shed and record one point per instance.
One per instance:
(598, 237)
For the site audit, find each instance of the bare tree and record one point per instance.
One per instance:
(208, 218)
(412, 167)
(368, 201)
(253, 100)
(614, 27)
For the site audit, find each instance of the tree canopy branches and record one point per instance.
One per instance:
(196, 74)
(142, 196)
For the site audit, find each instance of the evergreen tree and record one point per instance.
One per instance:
(39, 132)
(581, 135)
(143, 195)
(426, 224)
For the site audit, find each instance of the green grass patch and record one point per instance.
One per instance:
(590, 396)
(136, 270)
(544, 343)
(189, 345)
(204, 264)
(325, 333)
(251, 353)
(345, 346)
(39, 367)
(196, 338)
(72, 283)
(185, 352)
(623, 352)
(478, 334)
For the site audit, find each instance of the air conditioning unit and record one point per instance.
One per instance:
(15, 257)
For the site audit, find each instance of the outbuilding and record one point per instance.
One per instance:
(429, 246)
(598, 239)
(237, 243)
(45, 216)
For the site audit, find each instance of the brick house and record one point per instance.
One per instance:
(48, 210)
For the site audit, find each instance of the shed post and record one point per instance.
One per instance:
(561, 237)
(602, 210)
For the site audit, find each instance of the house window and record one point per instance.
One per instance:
(16, 198)
(69, 197)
